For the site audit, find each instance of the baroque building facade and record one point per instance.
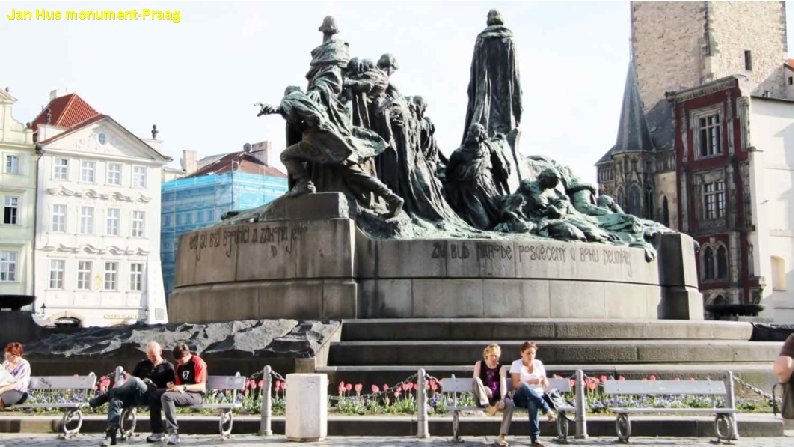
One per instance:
(98, 228)
(18, 196)
(703, 145)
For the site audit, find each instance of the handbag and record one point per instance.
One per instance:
(787, 406)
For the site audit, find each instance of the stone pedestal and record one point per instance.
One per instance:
(323, 267)
(18, 326)
(307, 407)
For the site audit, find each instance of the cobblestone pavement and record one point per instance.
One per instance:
(19, 440)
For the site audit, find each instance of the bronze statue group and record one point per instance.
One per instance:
(352, 131)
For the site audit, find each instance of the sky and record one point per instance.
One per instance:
(198, 79)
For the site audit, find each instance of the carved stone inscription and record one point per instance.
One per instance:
(527, 256)
(277, 238)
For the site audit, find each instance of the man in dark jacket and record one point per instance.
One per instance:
(149, 374)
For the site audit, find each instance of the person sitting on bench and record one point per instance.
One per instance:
(529, 381)
(15, 389)
(488, 388)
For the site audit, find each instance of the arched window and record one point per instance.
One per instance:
(665, 212)
(722, 262)
(649, 202)
(633, 206)
(708, 263)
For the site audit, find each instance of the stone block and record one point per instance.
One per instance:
(186, 260)
(232, 302)
(410, 259)
(306, 414)
(296, 249)
(339, 299)
(480, 259)
(365, 256)
(676, 254)
(576, 299)
(516, 298)
(319, 206)
(681, 303)
(447, 298)
(385, 298)
(627, 301)
(215, 251)
(301, 300)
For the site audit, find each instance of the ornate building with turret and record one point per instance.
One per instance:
(705, 144)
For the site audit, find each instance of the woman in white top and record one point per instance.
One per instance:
(529, 381)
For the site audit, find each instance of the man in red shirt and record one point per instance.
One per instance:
(188, 389)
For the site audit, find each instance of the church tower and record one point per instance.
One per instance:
(701, 75)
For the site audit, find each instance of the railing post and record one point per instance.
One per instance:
(422, 430)
(581, 407)
(266, 422)
(730, 402)
(118, 376)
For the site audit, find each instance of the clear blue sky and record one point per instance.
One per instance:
(198, 79)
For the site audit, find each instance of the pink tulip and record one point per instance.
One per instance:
(677, 379)
(261, 383)
(375, 389)
(252, 383)
(621, 378)
(603, 378)
(385, 387)
(653, 377)
(359, 387)
(278, 385)
(284, 386)
(571, 383)
(348, 386)
(397, 393)
(591, 386)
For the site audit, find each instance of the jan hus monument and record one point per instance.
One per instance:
(379, 223)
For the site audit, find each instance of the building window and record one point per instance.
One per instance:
(139, 176)
(714, 199)
(136, 276)
(709, 127)
(114, 173)
(708, 263)
(59, 218)
(87, 220)
(88, 171)
(722, 262)
(634, 206)
(111, 275)
(112, 221)
(56, 273)
(137, 223)
(11, 210)
(84, 275)
(791, 80)
(102, 138)
(8, 266)
(167, 220)
(748, 60)
(12, 164)
(665, 212)
(60, 169)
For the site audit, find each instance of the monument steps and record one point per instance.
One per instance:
(389, 350)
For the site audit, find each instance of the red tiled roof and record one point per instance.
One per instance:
(789, 64)
(65, 111)
(239, 162)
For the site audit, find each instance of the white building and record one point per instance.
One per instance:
(17, 197)
(771, 136)
(97, 246)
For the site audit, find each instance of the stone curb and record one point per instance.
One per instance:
(599, 426)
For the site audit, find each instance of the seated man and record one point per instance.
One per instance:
(149, 374)
(187, 389)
